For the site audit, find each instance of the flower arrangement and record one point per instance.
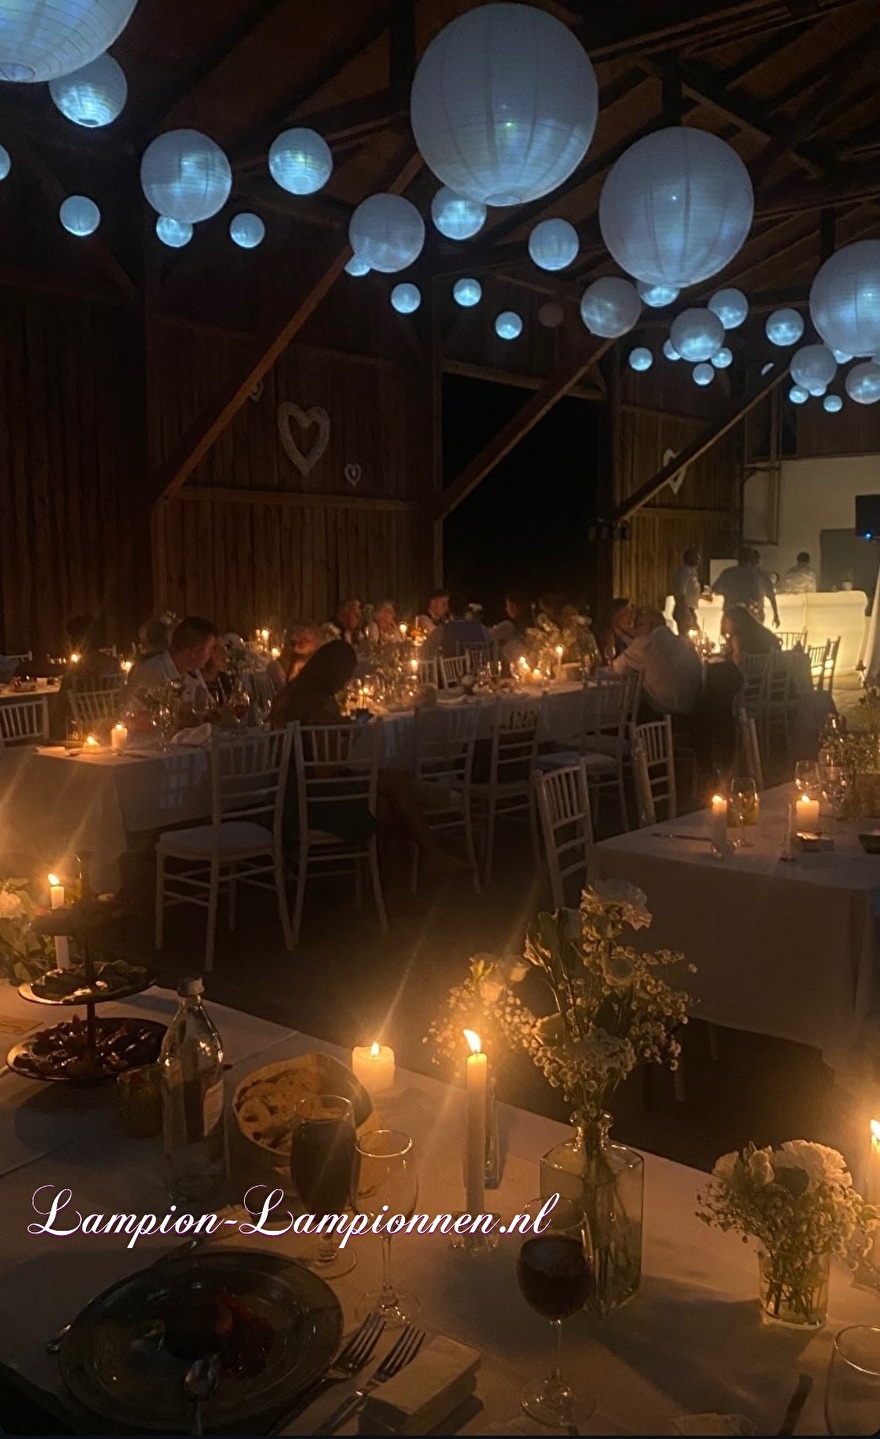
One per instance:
(24, 952)
(575, 639)
(485, 1003)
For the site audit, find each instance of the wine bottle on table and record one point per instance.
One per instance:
(193, 1118)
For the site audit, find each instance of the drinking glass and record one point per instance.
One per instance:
(852, 1398)
(555, 1276)
(387, 1182)
(745, 802)
(835, 787)
(322, 1167)
(806, 778)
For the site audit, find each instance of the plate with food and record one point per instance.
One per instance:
(270, 1325)
(264, 1102)
(113, 979)
(63, 1052)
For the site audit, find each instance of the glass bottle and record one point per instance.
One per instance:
(193, 1118)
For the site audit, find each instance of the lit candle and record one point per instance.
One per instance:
(872, 1179)
(275, 652)
(118, 737)
(373, 1065)
(62, 944)
(92, 742)
(402, 628)
(475, 1146)
(719, 824)
(414, 666)
(559, 653)
(74, 658)
(56, 891)
(807, 815)
(264, 636)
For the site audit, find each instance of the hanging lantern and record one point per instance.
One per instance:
(697, 334)
(798, 395)
(79, 215)
(387, 231)
(300, 161)
(702, 374)
(863, 383)
(551, 315)
(657, 295)
(670, 351)
(813, 367)
(832, 404)
(553, 244)
(504, 104)
(467, 293)
(640, 358)
(455, 216)
(357, 266)
(676, 207)
(610, 307)
(185, 176)
(92, 96)
(247, 230)
(723, 358)
(508, 325)
(42, 39)
(5, 162)
(842, 357)
(784, 327)
(731, 307)
(406, 298)
(845, 299)
(174, 233)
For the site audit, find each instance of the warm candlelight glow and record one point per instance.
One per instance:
(118, 736)
(74, 657)
(374, 1067)
(53, 880)
(92, 742)
(414, 666)
(473, 1040)
(559, 652)
(374, 1049)
(718, 801)
(125, 666)
(402, 628)
(275, 652)
(875, 1132)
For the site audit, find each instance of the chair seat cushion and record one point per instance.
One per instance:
(236, 837)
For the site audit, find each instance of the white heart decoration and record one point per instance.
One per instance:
(676, 484)
(353, 474)
(304, 460)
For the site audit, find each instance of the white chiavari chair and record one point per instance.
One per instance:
(453, 669)
(608, 705)
(563, 798)
(792, 639)
(749, 760)
(428, 672)
(654, 770)
(444, 741)
(507, 790)
(25, 720)
(479, 655)
(779, 703)
(98, 700)
(832, 648)
(754, 669)
(816, 656)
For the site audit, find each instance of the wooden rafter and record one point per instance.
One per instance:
(295, 499)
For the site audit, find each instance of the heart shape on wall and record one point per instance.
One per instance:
(305, 460)
(353, 474)
(676, 484)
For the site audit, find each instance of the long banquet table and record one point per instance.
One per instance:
(690, 1341)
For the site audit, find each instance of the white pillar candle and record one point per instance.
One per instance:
(475, 1146)
(373, 1065)
(62, 944)
(719, 824)
(807, 815)
(118, 737)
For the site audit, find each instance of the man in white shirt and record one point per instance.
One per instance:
(801, 578)
(672, 674)
(181, 663)
(686, 591)
(437, 612)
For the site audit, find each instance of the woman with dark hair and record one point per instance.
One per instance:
(614, 627)
(311, 696)
(745, 635)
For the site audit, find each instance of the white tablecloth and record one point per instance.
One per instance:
(782, 948)
(690, 1341)
(561, 718)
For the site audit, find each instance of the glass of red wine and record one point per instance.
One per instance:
(555, 1276)
(322, 1167)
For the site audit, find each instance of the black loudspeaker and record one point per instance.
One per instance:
(868, 517)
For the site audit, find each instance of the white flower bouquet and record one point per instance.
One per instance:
(25, 954)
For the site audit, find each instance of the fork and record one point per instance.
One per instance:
(348, 1362)
(397, 1358)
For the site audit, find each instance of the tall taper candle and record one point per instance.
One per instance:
(872, 1178)
(719, 825)
(62, 943)
(475, 1151)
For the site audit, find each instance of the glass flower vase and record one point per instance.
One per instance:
(607, 1180)
(794, 1288)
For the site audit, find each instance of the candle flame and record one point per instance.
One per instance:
(718, 799)
(473, 1040)
(374, 1050)
(74, 658)
(559, 651)
(119, 726)
(875, 1130)
(91, 741)
(53, 879)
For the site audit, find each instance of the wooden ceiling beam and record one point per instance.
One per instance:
(346, 124)
(609, 31)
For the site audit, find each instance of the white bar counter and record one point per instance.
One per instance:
(824, 616)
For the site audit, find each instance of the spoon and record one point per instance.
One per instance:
(199, 1383)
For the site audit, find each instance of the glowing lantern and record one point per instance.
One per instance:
(553, 244)
(702, 374)
(697, 334)
(551, 315)
(387, 231)
(247, 230)
(610, 307)
(798, 395)
(863, 383)
(5, 162)
(185, 176)
(670, 351)
(813, 367)
(300, 161)
(731, 307)
(406, 298)
(467, 293)
(723, 358)
(357, 266)
(508, 325)
(504, 104)
(42, 39)
(657, 295)
(640, 358)
(79, 215)
(174, 233)
(832, 403)
(455, 216)
(845, 299)
(92, 96)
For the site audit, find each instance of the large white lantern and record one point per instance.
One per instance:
(845, 299)
(5, 162)
(92, 96)
(174, 233)
(640, 358)
(813, 367)
(610, 307)
(185, 176)
(702, 375)
(42, 39)
(723, 358)
(79, 215)
(387, 231)
(406, 298)
(504, 104)
(300, 161)
(697, 334)
(784, 327)
(731, 307)
(832, 404)
(670, 351)
(467, 292)
(357, 267)
(247, 230)
(553, 244)
(455, 216)
(657, 295)
(863, 383)
(798, 395)
(676, 207)
(508, 325)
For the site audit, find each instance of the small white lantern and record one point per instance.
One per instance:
(731, 307)
(640, 358)
(467, 292)
(185, 176)
(455, 216)
(508, 325)
(42, 39)
(798, 395)
(247, 230)
(5, 162)
(784, 327)
(356, 266)
(406, 298)
(845, 299)
(657, 296)
(93, 96)
(174, 233)
(610, 307)
(863, 383)
(833, 404)
(697, 334)
(551, 315)
(813, 367)
(670, 351)
(723, 358)
(300, 161)
(702, 374)
(387, 231)
(553, 244)
(79, 215)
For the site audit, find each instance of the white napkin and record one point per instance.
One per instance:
(425, 1392)
(200, 736)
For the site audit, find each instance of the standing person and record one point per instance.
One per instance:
(191, 644)
(801, 578)
(767, 587)
(686, 590)
(346, 622)
(739, 584)
(437, 612)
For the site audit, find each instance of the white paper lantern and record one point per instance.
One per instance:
(467, 293)
(702, 374)
(42, 39)
(640, 358)
(553, 244)
(357, 266)
(697, 334)
(863, 383)
(784, 327)
(813, 367)
(247, 230)
(79, 215)
(406, 298)
(657, 295)
(455, 216)
(551, 315)
(185, 176)
(832, 403)
(504, 104)
(5, 162)
(676, 207)
(508, 325)
(670, 351)
(92, 96)
(723, 358)
(731, 307)
(174, 233)
(387, 231)
(845, 299)
(798, 395)
(300, 161)
(610, 307)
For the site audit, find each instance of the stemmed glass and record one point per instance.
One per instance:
(744, 803)
(322, 1166)
(387, 1182)
(852, 1398)
(806, 778)
(835, 787)
(555, 1276)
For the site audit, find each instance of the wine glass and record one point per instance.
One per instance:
(835, 787)
(806, 778)
(322, 1166)
(387, 1182)
(555, 1276)
(745, 806)
(852, 1398)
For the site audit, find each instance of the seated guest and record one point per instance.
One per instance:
(672, 674)
(614, 628)
(745, 635)
(152, 640)
(215, 672)
(303, 639)
(190, 646)
(383, 626)
(92, 662)
(801, 578)
(437, 612)
(346, 622)
(520, 617)
(457, 634)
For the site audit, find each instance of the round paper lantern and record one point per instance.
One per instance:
(357, 266)
(300, 161)
(42, 39)
(247, 230)
(553, 244)
(79, 215)
(406, 298)
(508, 325)
(842, 357)
(731, 307)
(697, 334)
(863, 383)
(610, 307)
(657, 295)
(455, 216)
(676, 207)
(551, 315)
(467, 293)
(185, 176)
(174, 233)
(640, 358)
(5, 162)
(702, 374)
(845, 299)
(798, 395)
(92, 96)
(832, 403)
(504, 104)
(387, 231)
(670, 351)
(784, 327)
(813, 367)
(723, 358)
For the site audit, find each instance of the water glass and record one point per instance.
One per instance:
(852, 1399)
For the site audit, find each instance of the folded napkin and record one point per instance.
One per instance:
(199, 736)
(425, 1392)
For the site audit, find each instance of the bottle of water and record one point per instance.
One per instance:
(193, 1119)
